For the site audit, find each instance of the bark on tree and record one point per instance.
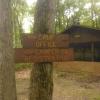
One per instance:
(41, 87)
(7, 72)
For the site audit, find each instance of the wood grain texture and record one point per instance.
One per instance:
(43, 55)
(45, 41)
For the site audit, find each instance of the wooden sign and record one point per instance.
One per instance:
(45, 41)
(42, 55)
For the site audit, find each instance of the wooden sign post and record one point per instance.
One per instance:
(44, 48)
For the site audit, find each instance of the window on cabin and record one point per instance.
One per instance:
(76, 35)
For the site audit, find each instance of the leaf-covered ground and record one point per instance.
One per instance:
(68, 85)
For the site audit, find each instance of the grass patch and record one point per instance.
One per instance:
(22, 66)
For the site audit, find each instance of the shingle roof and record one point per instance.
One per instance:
(81, 29)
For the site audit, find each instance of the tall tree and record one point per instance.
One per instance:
(20, 9)
(7, 72)
(42, 73)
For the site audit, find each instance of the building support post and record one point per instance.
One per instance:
(92, 51)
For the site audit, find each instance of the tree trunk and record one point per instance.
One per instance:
(42, 73)
(7, 72)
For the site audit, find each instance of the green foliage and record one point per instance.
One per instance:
(22, 66)
(80, 12)
(19, 9)
(68, 12)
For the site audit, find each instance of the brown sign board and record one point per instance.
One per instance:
(23, 55)
(45, 41)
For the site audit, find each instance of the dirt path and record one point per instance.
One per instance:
(67, 86)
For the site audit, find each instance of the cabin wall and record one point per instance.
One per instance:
(86, 54)
(86, 46)
(83, 37)
(85, 41)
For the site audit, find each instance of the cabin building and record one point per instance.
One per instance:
(85, 41)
